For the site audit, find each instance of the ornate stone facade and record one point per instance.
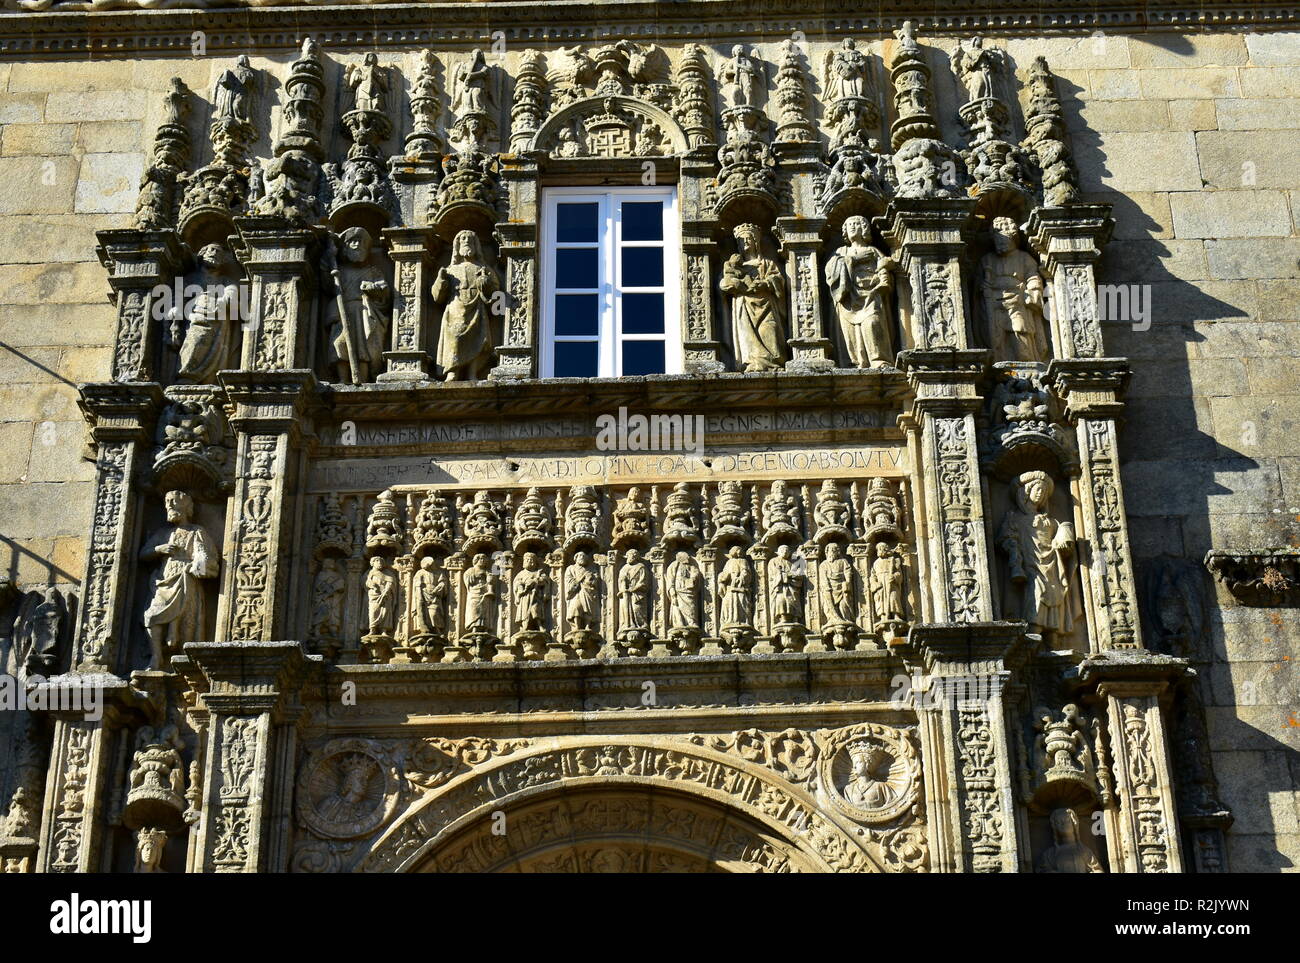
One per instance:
(367, 593)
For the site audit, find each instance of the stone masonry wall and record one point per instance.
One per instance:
(1191, 138)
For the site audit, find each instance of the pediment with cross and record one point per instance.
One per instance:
(611, 127)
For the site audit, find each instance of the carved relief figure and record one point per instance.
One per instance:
(531, 589)
(683, 588)
(175, 614)
(233, 93)
(480, 597)
(861, 279)
(430, 591)
(1012, 291)
(741, 78)
(839, 602)
(369, 84)
(149, 845)
(847, 72)
(631, 518)
(327, 600)
(736, 586)
(1067, 854)
(976, 66)
(887, 585)
(381, 595)
(756, 287)
(633, 593)
(466, 289)
(206, 346)
(358, 314)
(1040, 556)
(785, 588)
(582, 594)
(471, 86)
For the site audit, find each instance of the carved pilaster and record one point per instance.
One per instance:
(412, 251)
(268, 413)
(250, 693)
(122, 424)
(928, 239)
(964, 671)
(140, 265)
(1091, 391)
(810, 348)
(280, 264)
(517, 353)
(702, 350)
(1069, 241)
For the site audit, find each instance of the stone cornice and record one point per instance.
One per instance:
(282, 26)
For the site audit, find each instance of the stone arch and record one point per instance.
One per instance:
(613, 125)
(778, 824)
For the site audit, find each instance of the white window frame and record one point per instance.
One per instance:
(609, 237)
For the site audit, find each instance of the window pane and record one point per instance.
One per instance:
(576, 222)
(576, 268)
(575, 359)
(643, 221)
(643, 313)
(577, 314)
(643, 267)
(643, 357)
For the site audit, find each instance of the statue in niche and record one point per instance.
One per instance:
(38, 632)
(684, 578)
(582, 594)
(976, 65)
(1040, 557)
(358, 314)
(742, 78)
(430, 591)
(466, 289)
(847, 72)
(1067, 854)
(205, 348)
(736, 585)
(233, 93)
(756, 287)
(471, 85)
(369, 84)
(531, 589)
(327, 600)
(149, 846)
(631, 518)
(839, 602)
(887, 586)
(381, 594)
(860, 280)
(633, 594)
(480, 597)
(175, 614)
(1011, 288)
(785, 588)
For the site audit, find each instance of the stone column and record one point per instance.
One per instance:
(1068, 240)
(268, 419)
(139, 263)
(1091, 391)
(250, 693)
(517, 236)
(964, 672)
(122, 419)
(927, 236)
(1142, 827)
(700, 344)
(811, 350)
(412, 251)
(280, 262)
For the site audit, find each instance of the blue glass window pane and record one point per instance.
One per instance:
(577, 314)
(576, 222)
(576, 268)
(643, 221)
(643, 267)
(575, 359)
(643, 314)
(643, 357)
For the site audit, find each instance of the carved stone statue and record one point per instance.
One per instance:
(471, 86)
(633, 594)
(736, 587)
(1067, 854)
(860, 280)
(631, 519)
(384, 527)
(756, 287)
(149, 846)
(381, 595)
(369, 85)
(175, 614)
(741, 78)
(838, 598)
(210, 316)
(327, 592)
(679, 514)
(38, 631)
(887, 586)
(684, 578)
(785, 588)
(358, 314)
(531, 589)
(847, 72)
(466, 288)
(481, 596)
(233, 93)
(582, 594)
(1011, 288)
(1040, 557)
(976, 66)
(429, 591)
(832, 512)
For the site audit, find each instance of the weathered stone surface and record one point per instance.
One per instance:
(108, 183)
(1268, 257)
(1231, 213)
(1139, 161)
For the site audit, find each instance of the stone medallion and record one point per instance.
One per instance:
(870, 772)
(346, 790)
